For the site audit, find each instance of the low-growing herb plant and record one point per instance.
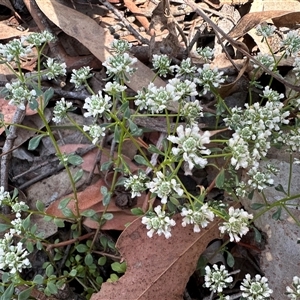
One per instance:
(255, 129)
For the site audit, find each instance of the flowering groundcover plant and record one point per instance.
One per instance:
(255, 128)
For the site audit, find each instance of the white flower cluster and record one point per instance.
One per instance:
(14, 50)
(291, 43)
(96, 132)
(13, 257)
(38, 39)
(136, 183)
(291, 139)
(162, 64)
(158, 223)
(97, 105)
(120, 46)
(55, 69)
(266, 60)
(256, 288)
(114, 88)
(237, 224)
(18, 94)
(186, 70)
(265, 30)
(208, 78)
(206, 53)
(164, 187)
(80, 76)
(191, 147)
(217, 278)
(60, 110)
(294, 292)
(120, 65)
(191, 111)
(253, 128)
(259, 180)
(200, 217)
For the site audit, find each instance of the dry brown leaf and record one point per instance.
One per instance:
(7, 4)
(157, 268)
(7, 32)
(94, 37)
(251, 20)
(91, 198)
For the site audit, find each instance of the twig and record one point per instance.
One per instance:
(126, 23)
(8, 145)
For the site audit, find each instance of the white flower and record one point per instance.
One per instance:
(266, 60)
(265, 30)
(80, 76)
(96, 105)
(186, 70)
(55, 69)
(95, 131)
(17, 226)
(206, 53)
(209, 78)
(256, 288)
(120, 46)
(164, 187)
(120, 65)
(136, 183)
(4, 196)
(237, 225)
(14, 50)
(259, 180)
(192, 111)
(60, 110)
(114, 88)
(199, 217)
(296, 68)
(294, 292)
(18, 94)
(182, 88)
(291, 43)
(191, 145)
(271, 95)
(158, 223)
(19, 207)
(161, 63)
(216, 279)
(38, 39)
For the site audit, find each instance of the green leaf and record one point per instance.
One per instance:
(38, 279)
(48, 218)
(257, 206)
(67, 212)
(113, 278)
(103, 190)
(88, 260)
(88, 213)
(141, 160)
(49, 270)
(78, 175)
(25, 294)
(47, 96)
(117, 134)
(220, 179)
(257, 235)
(4, 227)
(29, 246)
(52, 288)
(75, 160)
(106, 166)
(280, 188)
(82, 248)
(59, 222)
(174, 201)
(108, 216)
(277, 214)
(119, 267)
(102, 261)
(40, 206)
(64, 202)
(8, 292)
(104, 242)
(33, 104)
(73, 273)
(39, 245)
(230, 259)
(26, 223)
(134, 129)
(137, 211)
(154, 149)
(35, 141)
(106, 199)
